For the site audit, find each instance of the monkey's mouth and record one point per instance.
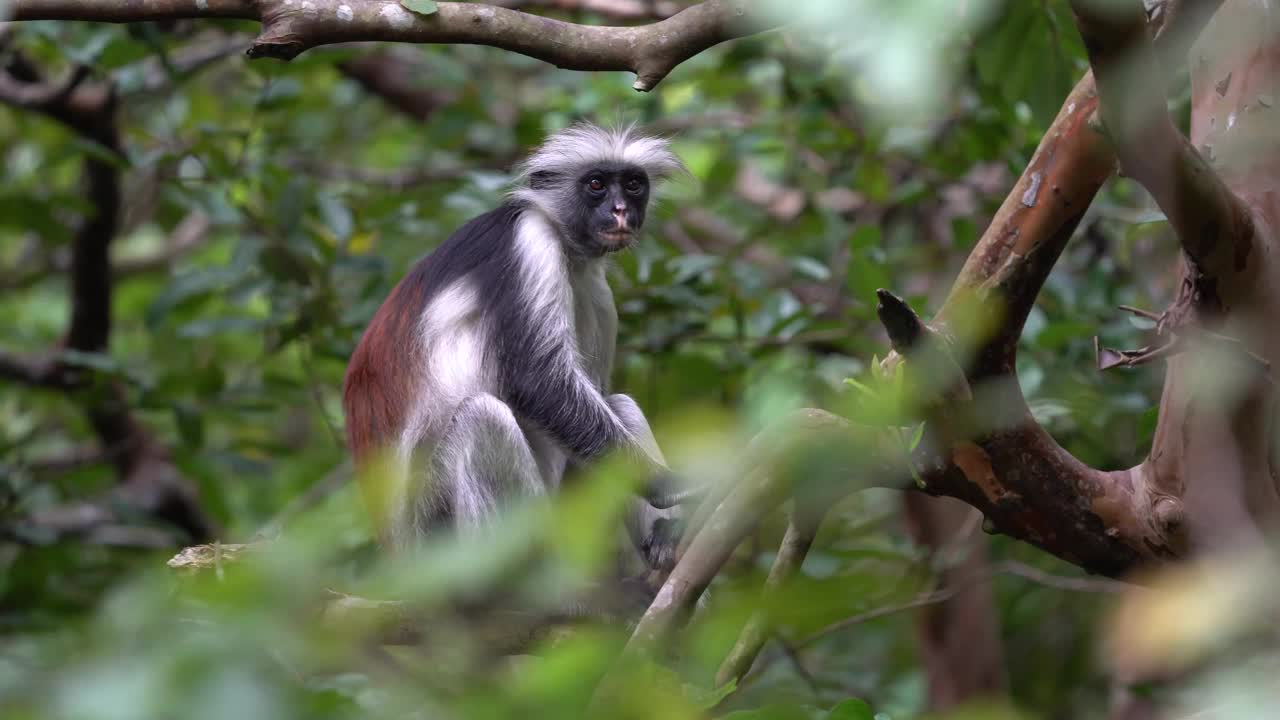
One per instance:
(617, 237)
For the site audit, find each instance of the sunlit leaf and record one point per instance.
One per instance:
(422, 7)
(852, 709)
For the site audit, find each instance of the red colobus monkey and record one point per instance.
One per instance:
(486, 371)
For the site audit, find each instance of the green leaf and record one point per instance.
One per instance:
(851, 709)
(860, 387)
(422, 7)
(187, 289)
(709, 698)
(916, 437)
(769, 712)
(336, 215)
(190, 424)
(291, 204)
(219, 325)
(284, 264)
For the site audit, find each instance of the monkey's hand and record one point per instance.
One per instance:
(659, 545)
(665, 490)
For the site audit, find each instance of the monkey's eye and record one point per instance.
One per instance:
(635, 186)
(595, 185)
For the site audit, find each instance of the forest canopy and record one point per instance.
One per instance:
(962, 309)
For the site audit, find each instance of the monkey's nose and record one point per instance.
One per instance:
(620, 214)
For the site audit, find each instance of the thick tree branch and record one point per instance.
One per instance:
(87, 109)
(90, 248)
(40, 96)
(290, 28)
(1031, 229)
(989, 451)
(1213, 225)
(30, 372)
(625, 10)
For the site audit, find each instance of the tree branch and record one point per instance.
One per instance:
(290, 28)
(613, 9)
(801, 530)
(40, 96)
(1009, 567)
(958, 640)
(988, 450)
(811, 455)
(1214, 226)
(154, 76)
(148, 479)
(29, 371)
(187, 235)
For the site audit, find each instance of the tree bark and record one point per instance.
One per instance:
(291, 28)
(148, 479)
(958, 638)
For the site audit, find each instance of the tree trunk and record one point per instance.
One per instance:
(958, 638)
(1215, 444)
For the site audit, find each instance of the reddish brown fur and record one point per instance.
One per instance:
(380, 379)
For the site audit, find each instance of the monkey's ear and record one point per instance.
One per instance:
(541, 179)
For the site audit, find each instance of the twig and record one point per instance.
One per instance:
(814, 450)
(317, 396)
(801, 530)
(290, 28)
(395, 179)
(189, 234)
(154, 76)
(313, 495)
(1090, 585)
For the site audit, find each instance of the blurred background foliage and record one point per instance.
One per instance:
(814, 183)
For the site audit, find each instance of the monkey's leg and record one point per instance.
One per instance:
(483, 462)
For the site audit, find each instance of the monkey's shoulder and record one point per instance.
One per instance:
(479, 251)
(483, 239)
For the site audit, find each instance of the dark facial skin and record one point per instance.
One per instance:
(609, 208)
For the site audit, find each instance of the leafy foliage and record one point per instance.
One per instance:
(754, 294)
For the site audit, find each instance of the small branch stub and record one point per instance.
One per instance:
(904, 326)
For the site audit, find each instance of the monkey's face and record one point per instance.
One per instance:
(611, 202)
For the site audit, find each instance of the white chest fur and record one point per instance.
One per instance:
(595, 321)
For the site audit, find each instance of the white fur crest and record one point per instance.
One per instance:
(571, 151)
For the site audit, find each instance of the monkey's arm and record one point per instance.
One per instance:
(547, 386)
